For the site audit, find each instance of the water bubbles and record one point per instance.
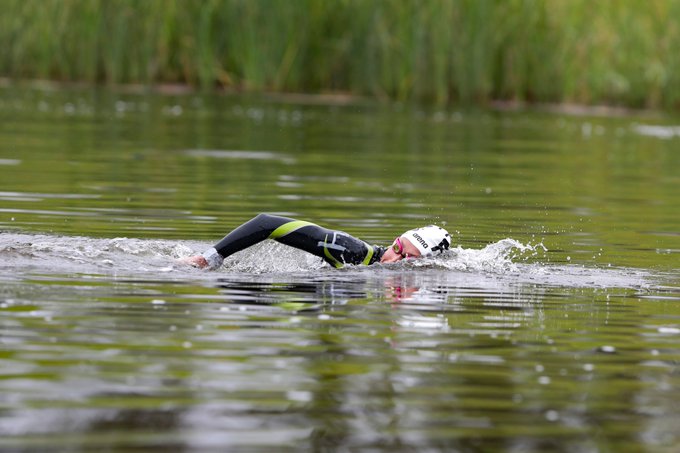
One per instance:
(299, 396)
(174, 110)
(662, 132)
(586, 130)
(669, 330)
(439, 117)
(552, 416)
(607, 349)
(255, 114)
(296, 117)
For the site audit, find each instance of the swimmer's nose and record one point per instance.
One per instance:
(390, 256)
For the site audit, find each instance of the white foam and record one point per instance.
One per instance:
(495, 258)
(239, 154)
(664, 132)
(506, 263)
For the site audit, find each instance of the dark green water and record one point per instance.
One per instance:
(552, 325)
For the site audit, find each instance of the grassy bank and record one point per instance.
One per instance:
(621, 52)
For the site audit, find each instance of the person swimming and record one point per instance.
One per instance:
(337, 248)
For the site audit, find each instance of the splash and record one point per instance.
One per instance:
(272, 257)
(508, 261)
(85, 254)
(499, 257)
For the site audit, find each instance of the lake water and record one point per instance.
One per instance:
(553, 324)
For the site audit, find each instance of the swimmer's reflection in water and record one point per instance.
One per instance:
(312, 295)
(398, 290)
(337, 248)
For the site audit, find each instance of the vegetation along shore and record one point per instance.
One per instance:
(615, 52)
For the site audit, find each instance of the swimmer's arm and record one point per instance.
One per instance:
(250, 233)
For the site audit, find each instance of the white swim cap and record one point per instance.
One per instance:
(429, 239)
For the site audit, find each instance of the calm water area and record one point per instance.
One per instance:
(553, 323)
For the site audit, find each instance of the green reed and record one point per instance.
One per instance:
(441, 51)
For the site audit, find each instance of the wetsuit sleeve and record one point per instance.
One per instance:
(335, 247)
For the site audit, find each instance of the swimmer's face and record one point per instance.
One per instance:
(400, 249)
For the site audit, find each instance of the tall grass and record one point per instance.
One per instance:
(442, 51)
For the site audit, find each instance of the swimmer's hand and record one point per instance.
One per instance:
(196, 261)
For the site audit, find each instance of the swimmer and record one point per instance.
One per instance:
(337, 248)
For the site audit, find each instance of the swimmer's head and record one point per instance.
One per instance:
(429, 239)
(423, 241)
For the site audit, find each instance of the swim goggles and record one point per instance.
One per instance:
(398, 248)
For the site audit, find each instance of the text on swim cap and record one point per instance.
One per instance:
(421, 240)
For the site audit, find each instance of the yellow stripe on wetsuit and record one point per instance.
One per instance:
(369, 254)
(288, 228)
(295, 225)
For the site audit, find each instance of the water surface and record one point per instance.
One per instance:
(553, 324)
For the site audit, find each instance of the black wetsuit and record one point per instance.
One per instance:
(335, 247)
